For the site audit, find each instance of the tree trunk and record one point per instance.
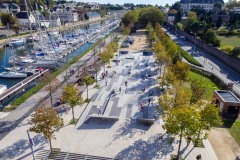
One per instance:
(196, 140)
(73, 115)
(51, 98)
(179, 146)
(87, 92)
(96, 78)
(50, 143)
(160, 70)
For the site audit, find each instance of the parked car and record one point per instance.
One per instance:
(125, 45)
(3, 35)
(183, 38)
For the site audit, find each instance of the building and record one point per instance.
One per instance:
(4, 8)
(66, 17)
(24, 19)
(93, 15)
(225, 18)
(207, 5)
(229, 104)
(14, 8)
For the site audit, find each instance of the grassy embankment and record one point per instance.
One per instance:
(188, 57)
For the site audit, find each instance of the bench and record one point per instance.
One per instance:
(99, 117)
(146, 121)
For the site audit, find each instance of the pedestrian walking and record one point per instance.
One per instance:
(120, 89)
(141, 107)
(149, 101)
(102, 75)
(101, 110)
(126, 83)
(106, 82)
(106, 73)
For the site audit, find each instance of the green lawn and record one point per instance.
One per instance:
(234, 129)
(208, 83)
(230, 40)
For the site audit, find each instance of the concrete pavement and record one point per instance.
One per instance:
(123, 139)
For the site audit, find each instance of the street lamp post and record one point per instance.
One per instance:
(195, 42)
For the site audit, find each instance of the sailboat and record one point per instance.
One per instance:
(13, 73)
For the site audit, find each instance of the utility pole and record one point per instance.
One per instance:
(30, 25)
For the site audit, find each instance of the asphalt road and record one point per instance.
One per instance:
(210, 63)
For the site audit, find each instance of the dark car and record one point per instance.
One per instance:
(125, 45)
(3, 35)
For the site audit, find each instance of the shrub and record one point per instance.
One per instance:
(217, 42)
(179, 26)
(227, 48)
(236, 51)
(188, 57)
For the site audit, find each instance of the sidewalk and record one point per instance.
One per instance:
(13, 118)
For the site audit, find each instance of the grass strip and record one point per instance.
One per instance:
(188, 57)
(209, 84)
(234, 129)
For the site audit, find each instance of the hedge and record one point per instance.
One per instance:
(188, 57)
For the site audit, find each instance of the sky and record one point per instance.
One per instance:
(152, 2)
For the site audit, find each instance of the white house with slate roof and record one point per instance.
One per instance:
(23, 18)
(207, 5)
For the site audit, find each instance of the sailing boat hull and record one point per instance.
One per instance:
(12, 75)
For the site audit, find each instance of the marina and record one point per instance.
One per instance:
(49, 50)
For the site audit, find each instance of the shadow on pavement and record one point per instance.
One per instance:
(153, 148)
(98, 123)
(20, 147)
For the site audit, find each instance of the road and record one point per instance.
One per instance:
(210, 63)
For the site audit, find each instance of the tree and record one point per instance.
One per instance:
(179, 26)
(176, 6)
(7, 18)
(96, 67)
(71, 96)
(206, 118)
(52, 83)
(160, 54)
(131, 16)
(152, 15)
(191, 18)
(210, 36)
(103, 13)
(105, 58)
(86, 16)
(178, 16)
(198, 91)
(171, 48)
(181, 70)
(219, 21)
(16, 27)
(198, 27)
(168, 77)
(179, 121)
(236, 51)
(46, 121)
(88, 80)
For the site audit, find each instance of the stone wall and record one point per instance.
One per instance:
(230, 61)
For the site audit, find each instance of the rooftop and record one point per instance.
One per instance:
(201, 1)
(227, 96)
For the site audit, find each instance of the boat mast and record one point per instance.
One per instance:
(29, 20)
